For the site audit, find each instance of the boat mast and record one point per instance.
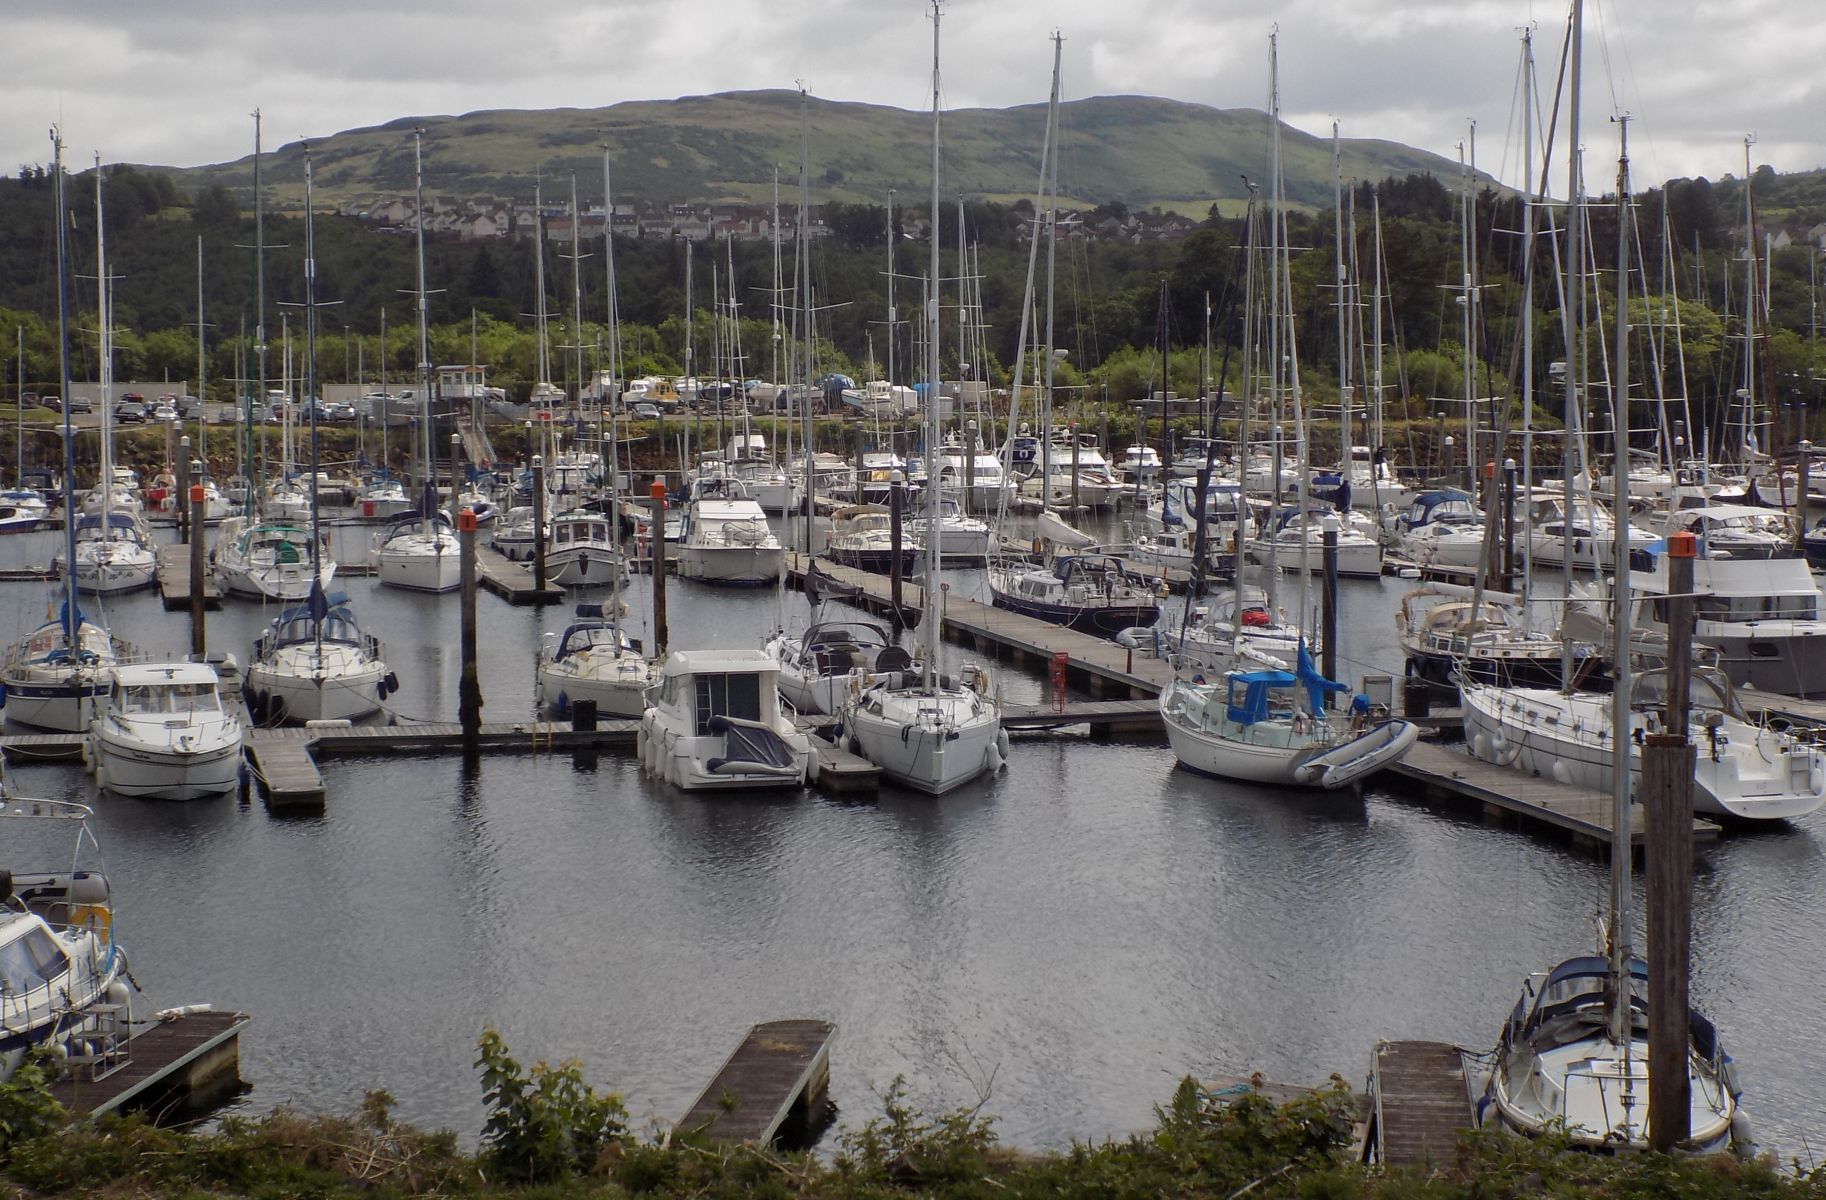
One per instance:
(1526, 544)
(1621, 742)
(803, 284)
(1746, 442)
(202, 367)
(427, 500)
(247, 423)
(928, 590)
(611, 396)
(1273, 364)
(71, 618)
(1574, 324)
(105, 323)
(1052, 243)
(317, 602)
(1343, 285)
(891, 313)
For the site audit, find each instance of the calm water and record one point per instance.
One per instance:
(1071, 936)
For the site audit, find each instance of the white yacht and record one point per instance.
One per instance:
(315, 664)
(513, 536)
(713, 722)
(1591, 532)
(821, 666)
(163, 733)
(976, 470)
(1732, 530)
(594, 659)
(420, 554)
(270, 560)
(726, 539)
(862, 536)
(382, 498)
(49, 687)
(1762, 615)
(1359, 553)
(113, 554)
(1745, 771)
(63, 980)
(961, 537)
(1442, 528)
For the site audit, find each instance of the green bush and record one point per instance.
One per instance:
(545, 1123)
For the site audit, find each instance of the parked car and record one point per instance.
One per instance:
(166, 410)
(646, 411)
(54, 403)
(339, 413)
(129, 409)
(81, 404)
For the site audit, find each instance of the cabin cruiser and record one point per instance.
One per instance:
(1091, 592)
(973, 475)
(862, 537)
(1359, 553)
(63, 980)
(513, 536)
(113, 554)
(1591, 531)
(419, 554)
(581, 551)
(1762, 616)
(1441, 528)
(713, 722)
(163, 733)
(726, 539)
(1225, 509)
(1140, 464)
(1732, 530)
(1745, 771)
(1095, 486)
(821, 666)
(594, 659)
(314, 663)
(22, 510)
(270, 560)
(960, 536)
(382, 498)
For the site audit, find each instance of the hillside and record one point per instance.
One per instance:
(1138, 150)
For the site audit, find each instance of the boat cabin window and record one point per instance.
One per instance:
(737, 696)
(1756, 608)
(167, 699)
(31, 961)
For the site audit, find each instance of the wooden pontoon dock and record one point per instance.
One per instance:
(1419, 1103)
(187, 1055)
(780, 1067)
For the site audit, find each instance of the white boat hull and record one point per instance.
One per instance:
(420, 572)
(128, 767)
(618, 691)
(911, 747)
(306, 691)
(742, 566)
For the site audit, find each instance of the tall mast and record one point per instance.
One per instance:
(929, 586)
(427, 502)
(105, 323)
(71, 618)
(577, 288)
(1344, 377)
(310, 399)
(892, 316)
(802, 281)
(1746, 442)
(612, 393)
(202, 368)
(1052, 241)
(539, 318)
(259, 323)
(1621, 933)
(1526, 545)
(1273, 365)
(1574, 321)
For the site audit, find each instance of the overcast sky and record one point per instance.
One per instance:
(173, 81)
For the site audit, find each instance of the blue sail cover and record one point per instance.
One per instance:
(1317, 686)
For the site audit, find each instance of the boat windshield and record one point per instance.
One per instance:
(1707, 691)
(168, 699)
(31, 960)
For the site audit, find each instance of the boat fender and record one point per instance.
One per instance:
(1561, 772)
(101, 777)
(392, 682)
(1001, 743)
(812, 765)
(640, 749)
(1480, 747)
(1743, 1138)
(2, 695)
(992, 758)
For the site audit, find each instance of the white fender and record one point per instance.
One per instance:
(1561, 772)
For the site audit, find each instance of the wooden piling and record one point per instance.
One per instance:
(657, 549)
(180, 501)
(1667, 806)
(469, 690)
(199, 638)
(539, 522)
(1328, 619)
(897, 493)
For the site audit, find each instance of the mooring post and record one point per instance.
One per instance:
(1667, 810)
(539, 522)
(469, 690)
(861, 482)
(199, 640)
(1805, 448)
(897, 487)
(970, 466)
(180, 503)
(657, 553)
(1073, 427)
(1506, 536)
(1328, 613)
(456, 464)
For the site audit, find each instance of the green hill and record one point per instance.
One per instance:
(1138, 150)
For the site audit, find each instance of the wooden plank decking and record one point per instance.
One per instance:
(512, 581)
(171, 1053)
(1417, 1090)
(174, 580)
(284, 769)
(780, 1065)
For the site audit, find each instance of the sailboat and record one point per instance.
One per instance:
(113, 548)
(419, 552)
(1270, 725)
(1573, 1055)
(56, 676)
(314, 662)
(926, 729)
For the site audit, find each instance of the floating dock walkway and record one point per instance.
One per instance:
(174, 580)
(1419, 1103)
(781, 1068)
(512, 581)
(188, 1056)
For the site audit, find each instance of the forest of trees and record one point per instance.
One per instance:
(1688, 238)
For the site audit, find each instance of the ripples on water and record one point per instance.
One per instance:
(1073, 935)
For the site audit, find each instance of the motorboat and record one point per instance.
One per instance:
(1273, 727)
(21, 511)
(961, 537)
(713, 722)
(1762, 616)
(314, 663)
(113, 554)
(419, 554)
(164, 734)
(973, 474)
(862, 536)
(581, 551)
(1140, 464)
(1733, 530)
(1088, 591)
(1289, 533)
(63, 979)
(513, 536)
(594, 659)
(822, 665)
(1441, 528)
(1746, 771)
(382, 498)
(1588, 537)
(270, 560)
(726, 539)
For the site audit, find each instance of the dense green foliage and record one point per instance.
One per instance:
(551, 1137)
